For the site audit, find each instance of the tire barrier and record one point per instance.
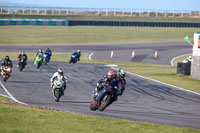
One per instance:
(184, 68)
(134, 23)
(39, 22)
(63, 22)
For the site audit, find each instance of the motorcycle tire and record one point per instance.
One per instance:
(105, 102)
(93, 107)
(20, 67)
(57, 95)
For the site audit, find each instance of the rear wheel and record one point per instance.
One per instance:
(105, 102)
(20, 67)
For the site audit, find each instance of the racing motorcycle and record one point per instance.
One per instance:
(38, 61)
(58, 88)
(73, 59)
(5, 73)
(46, 58)
(21, 64)
(106, 97)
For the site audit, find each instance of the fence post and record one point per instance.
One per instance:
(45, 11)
(98, 13)
(1, 10)
(38, 11)
(59, 11)
(106, 12)
(16, 10)
(52, 11)
(31, 10)
(114, 12)
(8, 10)
(131, 12)
(156, 14)
(67, 12)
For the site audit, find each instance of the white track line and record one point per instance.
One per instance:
(160, 82)
(172, 61)
(11, 96)
(90, 56)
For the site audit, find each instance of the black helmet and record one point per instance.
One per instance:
(7, 58)
(121, 73)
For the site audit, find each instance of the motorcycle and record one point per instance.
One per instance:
(46, 58)
(58, 88)
(21, 64)
(73, 59)
(5, 73)
(105, 98)
(38, 61)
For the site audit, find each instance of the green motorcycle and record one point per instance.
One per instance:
(38, 61)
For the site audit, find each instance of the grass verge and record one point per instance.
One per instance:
(36, 35)
(16, 118)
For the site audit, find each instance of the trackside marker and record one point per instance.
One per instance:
(156, 54)
(111, 54)
(133, 54)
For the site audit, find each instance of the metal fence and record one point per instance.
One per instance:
(16, 10)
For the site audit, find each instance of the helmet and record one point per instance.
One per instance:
(22, 52)
(60, 71)
(110, 74)
(78, 51)
(40, 50)
(7, 58)
(121, 73)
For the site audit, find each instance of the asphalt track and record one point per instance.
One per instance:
(143, 100)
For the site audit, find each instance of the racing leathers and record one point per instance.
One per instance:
(24, 56)
(57, 76)
(78, 54)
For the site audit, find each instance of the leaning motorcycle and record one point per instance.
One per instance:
(21, 64)
(58, 88)
(104, 99)
(38, 61)
(46, 58)
(73, 59)
(5, 73)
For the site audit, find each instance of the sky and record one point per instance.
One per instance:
(191, 5)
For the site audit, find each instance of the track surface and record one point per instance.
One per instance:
(143, 100)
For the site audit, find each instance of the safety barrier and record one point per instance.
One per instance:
(62, 22)
(42, 22)
(133, 23)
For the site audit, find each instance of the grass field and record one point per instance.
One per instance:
(36, 35)
(16, 118)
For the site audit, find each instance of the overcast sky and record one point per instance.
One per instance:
(129, 4)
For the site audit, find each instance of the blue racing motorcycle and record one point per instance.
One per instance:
(46, 58)
(105, 97)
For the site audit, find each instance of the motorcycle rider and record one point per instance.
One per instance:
(48, 51)
(121, 75)
(24, 56)
(113, 80)
(59, 75)
(39, 52)
(78, 54)
(7, 62)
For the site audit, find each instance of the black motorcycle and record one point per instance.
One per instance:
(22, 64)
(104, 99)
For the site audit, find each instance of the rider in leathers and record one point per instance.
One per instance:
(6, 62)
(22, 55)
(59, 76)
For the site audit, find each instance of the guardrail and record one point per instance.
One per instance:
(62, 22)
(17, 10)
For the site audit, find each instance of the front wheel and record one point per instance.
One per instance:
(57, 95)
(93, 107)
(105, 102)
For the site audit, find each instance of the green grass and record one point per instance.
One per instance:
(22, 119)
(37, 35)
(101, 18)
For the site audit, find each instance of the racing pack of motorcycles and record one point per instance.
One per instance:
(105, 98)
